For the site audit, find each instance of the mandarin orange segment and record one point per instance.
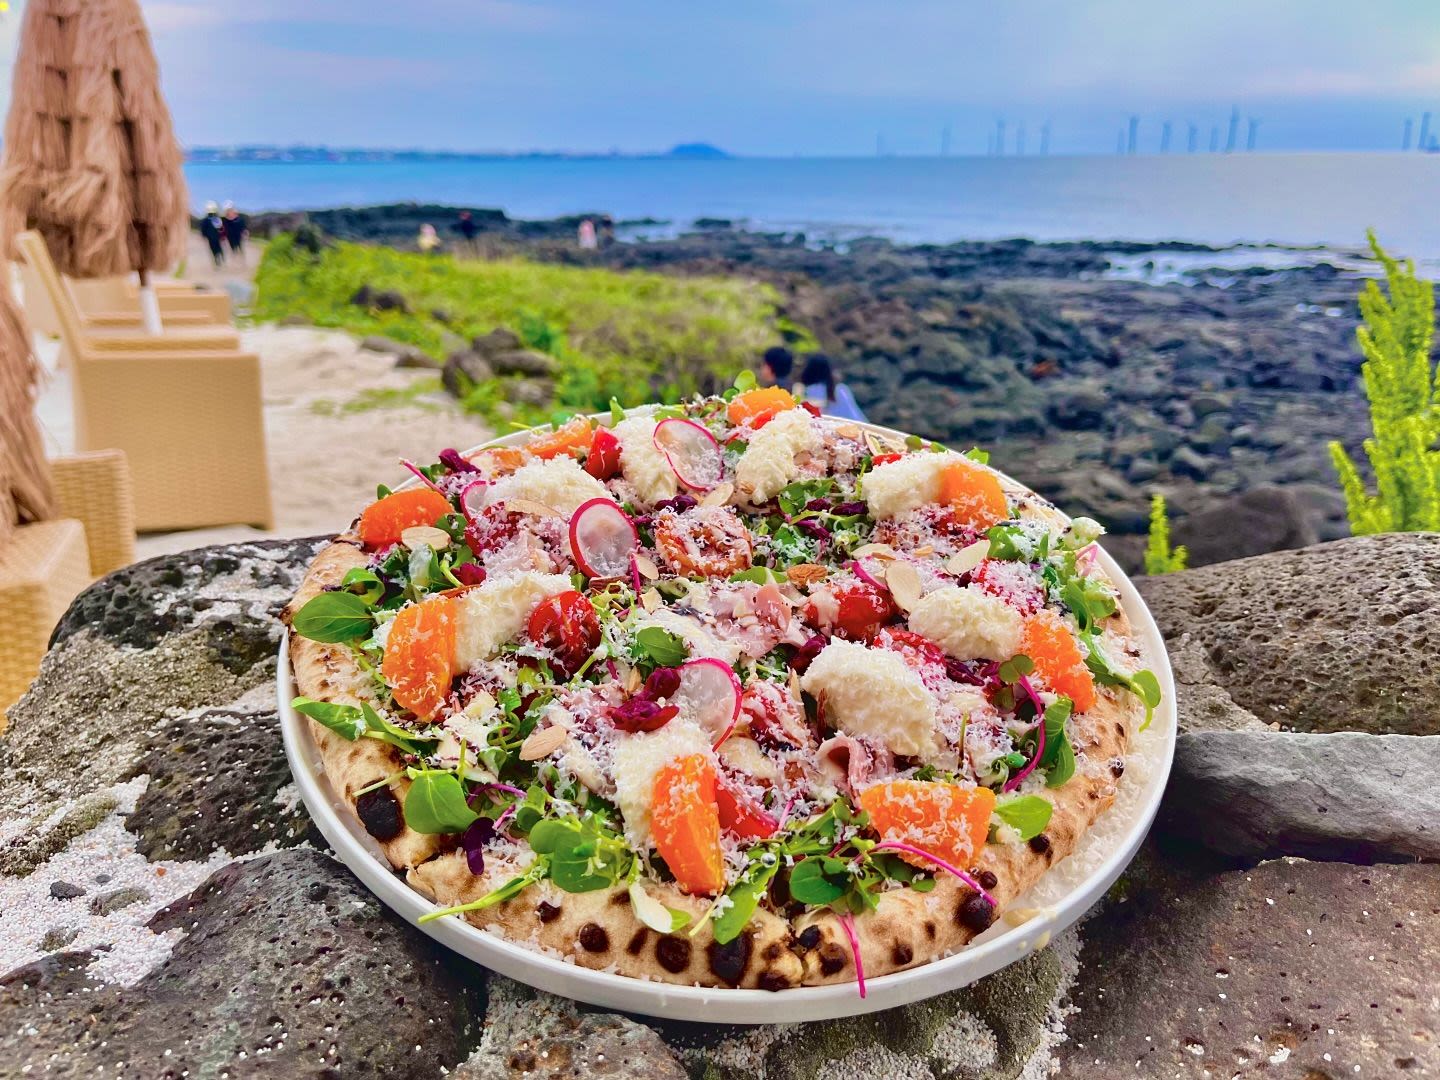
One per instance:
(419, 662)
(685, 822)
(973, 494)
(383, 521)
(1050, 644)
(500, 460)
(756, 407)
(573, 438)
(946, 820)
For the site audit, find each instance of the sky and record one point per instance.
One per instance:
(783, 77)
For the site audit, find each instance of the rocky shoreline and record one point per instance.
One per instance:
(1094, 389)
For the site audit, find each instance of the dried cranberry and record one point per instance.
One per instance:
(807, 652)
(680, 503)
(642, 714)
(473, 840)
(814, 528)
(662, 683)
(469, 573)
(818, 504)
(451, 459)
(846, 509)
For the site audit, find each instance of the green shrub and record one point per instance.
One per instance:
(1160, 558)
(635, 336)
(1400, 384)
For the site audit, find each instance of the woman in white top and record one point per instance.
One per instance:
(817, 380)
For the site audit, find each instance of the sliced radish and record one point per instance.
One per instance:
(602, 538)
(472, 499)
(710, 695)
(692, 452)
(873, 575)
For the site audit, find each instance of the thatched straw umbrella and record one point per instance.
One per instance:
(25, 493)
(90, 156)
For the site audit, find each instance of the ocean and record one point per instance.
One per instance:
(1325, 200)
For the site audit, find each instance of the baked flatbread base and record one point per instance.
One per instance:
(599, 930)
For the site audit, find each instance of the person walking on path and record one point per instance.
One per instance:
(212, 227)
(586, 235)
(236, 225)
(820, 385)
(429, 240)
(468, 229)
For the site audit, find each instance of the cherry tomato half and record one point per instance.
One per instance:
(603, 461)
(567, 625)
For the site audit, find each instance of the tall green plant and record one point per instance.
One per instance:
(1160, 557)
(1404, 397)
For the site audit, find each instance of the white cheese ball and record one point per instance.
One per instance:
(641, 463)
(874, 694)
(898, 487)
(560, 484)
(637, 758)
(768, 463)
(968, 623)
(498, 610)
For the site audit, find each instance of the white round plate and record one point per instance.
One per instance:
(1065, 893)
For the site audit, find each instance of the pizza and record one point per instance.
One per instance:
(725, 693)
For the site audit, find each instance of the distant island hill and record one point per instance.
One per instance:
(342, 155)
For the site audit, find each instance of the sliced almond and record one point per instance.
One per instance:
(807, 573)
(542, 743)
(719, 496)
(650, 599)
(648, 570)
(429, 535)
(874, 551)
(848, 431)
(923, 550)
(532, 508)
(480, 704)
(795, 684)
(633, 680)
(968, 557)
(904, 584)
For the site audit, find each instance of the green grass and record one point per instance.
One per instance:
(634, 336)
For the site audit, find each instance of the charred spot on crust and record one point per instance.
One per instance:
(1119, 729)
(901, 954)
(772, 952)
(1040, 844)
(1117, 767)
(832, 958)
(931, 929)
(379, 812)
(773, 980)
(637, 941)
(593, 938)
(975, 913)
(673, 953)
(547, 911)
(730, 961)
(987, 879)
(618, 897)
(809, 937)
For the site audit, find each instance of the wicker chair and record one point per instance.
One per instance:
(44, 565)
(78, 337)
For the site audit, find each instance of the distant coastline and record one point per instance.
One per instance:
(337, 155)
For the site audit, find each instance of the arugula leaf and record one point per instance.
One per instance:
(661, 647)
(1058, 761)
(345, 720)
(1143, 684)
(819, 880)
(745, 380)
(793, 497)
(745, 896)
(364, 583)
(617, 413)
(583, 856)
(760, 575)
(1089, 599)
(1009, 542)
(1026, 814)
(386, 730)
(976, 454)
(436, 803)
(334, 617)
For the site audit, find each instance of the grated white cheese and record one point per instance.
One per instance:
(497, 611)
(644, 466)
(874, 694)
(637, 758)
(560, 484)
(968, 623)
(768, 463)
(899, 486)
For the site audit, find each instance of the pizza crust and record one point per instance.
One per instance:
(600, 931)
